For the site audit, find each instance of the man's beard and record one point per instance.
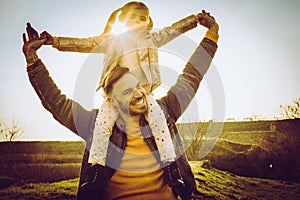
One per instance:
(127, 110)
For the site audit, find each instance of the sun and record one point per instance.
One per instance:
(118, 28)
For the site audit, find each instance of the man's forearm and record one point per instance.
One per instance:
(66, 111)
(52, 99)
(181, 94)
(31, 58)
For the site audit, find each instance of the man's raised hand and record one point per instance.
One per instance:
(208, 21)
(33, 43)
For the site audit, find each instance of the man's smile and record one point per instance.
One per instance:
(139, 102)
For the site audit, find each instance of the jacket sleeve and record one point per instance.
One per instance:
(183, 91)
(167, 34)
(66, 111)
(83, 45)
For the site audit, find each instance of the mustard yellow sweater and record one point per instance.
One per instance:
(139, 175)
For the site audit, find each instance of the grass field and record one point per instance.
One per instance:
(263, 149)
(244, 150)
(211, 184)
(41, 161)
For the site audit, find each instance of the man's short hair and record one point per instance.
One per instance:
(112, 77)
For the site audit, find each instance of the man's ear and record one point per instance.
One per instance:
(115, 103)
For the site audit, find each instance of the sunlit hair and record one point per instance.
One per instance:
(114, 25)
(118, 27)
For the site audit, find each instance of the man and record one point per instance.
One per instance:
(133, 168)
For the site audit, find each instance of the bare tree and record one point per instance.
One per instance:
(11, 131)
(291, 111)
(192, 135)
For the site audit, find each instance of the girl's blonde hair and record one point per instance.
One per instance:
(122, 13)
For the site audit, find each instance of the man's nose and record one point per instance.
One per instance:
(138, 93)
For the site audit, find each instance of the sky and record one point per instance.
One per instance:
(255, 70)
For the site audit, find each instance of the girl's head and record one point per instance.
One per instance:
(133, 15)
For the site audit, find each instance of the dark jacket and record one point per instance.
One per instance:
(80, 121)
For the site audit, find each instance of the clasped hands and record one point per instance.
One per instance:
(208, 21)
(34, 42)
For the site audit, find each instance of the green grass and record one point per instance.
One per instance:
(228, 126)
(17, 147)
(245, 148)
(246, 126)
(46, 191)
(217, 184)
(211, 184)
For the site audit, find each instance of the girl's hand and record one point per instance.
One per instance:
(49, 38)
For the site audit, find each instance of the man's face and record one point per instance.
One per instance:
(136, 18)
(129, 96)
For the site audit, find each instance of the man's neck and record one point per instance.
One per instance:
(127, 118)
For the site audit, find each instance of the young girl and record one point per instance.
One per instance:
(135, 49)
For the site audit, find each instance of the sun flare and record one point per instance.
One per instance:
(118, 28)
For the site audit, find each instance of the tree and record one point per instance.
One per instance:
(194, 148)
(10, 132)
(192, 136)
(291, 111)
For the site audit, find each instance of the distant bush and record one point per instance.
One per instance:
(10, 131)
(292, 111)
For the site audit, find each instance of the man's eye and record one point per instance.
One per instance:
(127, 92)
